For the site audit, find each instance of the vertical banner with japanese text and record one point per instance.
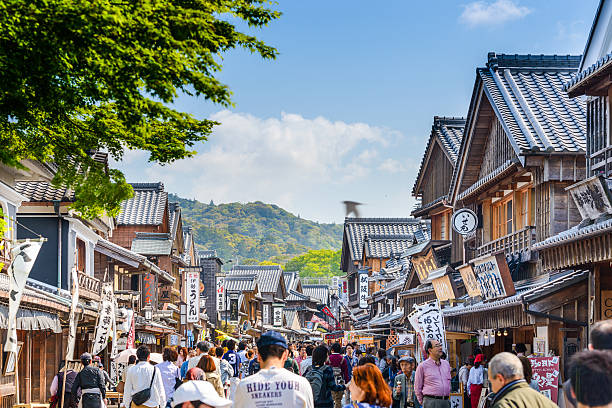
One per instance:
(220, 294)
(72, 315)
(277, 315)
(193, 296)
(363, 288)
(105, 320)
(431, 322)
(234, 314)
(148, 289)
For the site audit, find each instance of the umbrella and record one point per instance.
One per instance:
(156, 358)
(125, 355)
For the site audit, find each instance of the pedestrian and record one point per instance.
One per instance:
(226, 370)
(244, 360)
(307, 362)
(340, 368)
(403, 389)
(254, 366)
(195, 374)
(591, 378)
(476, 380)
(141, 377)
(169, 372)
(321, 379)
(198, 394)
(232, 357)
(464, 373)
(301, 357)
(601, 339)
(508, 384)
(57, 385)
(183, 355)
(291, 365)
(207, 364)
(528, 373)
(368, 388)
(432, 378)
(520, 349)
(368, 359)
(381, 361)
(89, 385)
(201, 348)
(185, 364)
(273, 386)
(391, 370)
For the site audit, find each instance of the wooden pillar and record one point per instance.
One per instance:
(42, 343)
(28, 368)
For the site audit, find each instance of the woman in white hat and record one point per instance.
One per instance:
(198, 394)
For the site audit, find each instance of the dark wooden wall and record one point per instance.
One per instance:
(437, 175)
(498, 149)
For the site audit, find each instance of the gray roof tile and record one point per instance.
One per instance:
(572, 87)
(384, 246)
(356, 229)
(268, 276)
(240, 283)
(147, 207)
(319, 292)
(152, 243)
(575, 233)
(43, 191)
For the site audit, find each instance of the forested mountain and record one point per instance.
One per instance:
(255, 232)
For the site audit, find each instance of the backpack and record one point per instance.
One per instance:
(338, 375)
(315, 378)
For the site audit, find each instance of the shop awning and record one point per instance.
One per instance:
(28, 319)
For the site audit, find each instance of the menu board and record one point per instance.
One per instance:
(546, 374)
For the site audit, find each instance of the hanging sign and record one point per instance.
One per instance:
(546, 374)
(266, 313)
(606, 304)
(344, 296)
(193, 293)
(165, 293)
(443, 284)
(464, 221)
(220, 293)
(405, 339)
(72, 315)
(131, 337)
(363, 288)
(233, 304)
(148, 289)
(23, 256)
(592, 197)
(425, 264)
(278, 315)
(430, 322)
(493, 277)
(105, 319)
(469, 280)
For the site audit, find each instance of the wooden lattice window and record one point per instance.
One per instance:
(599, 146)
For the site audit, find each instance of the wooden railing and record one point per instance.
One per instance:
(89, 287)
(600, 162)
(518, 242)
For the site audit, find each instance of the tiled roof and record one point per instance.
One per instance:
(205, 253)
(580, 80)
(526, 91)
(427, 206)
(291, 280)
(294, 296)
(575, 233)
(187, 237)
(43, 191)
(386, 319)
(318, 292)
(424, 288)
(356, 229)
(152, 243)
(146, 207)
(289, 316)
(482, 183)
(449, 133)
(240, 283)
(174, 213)
(384, 246)
(268, 276)
(557, 282)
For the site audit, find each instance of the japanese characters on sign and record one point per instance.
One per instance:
(425, 264)
(428, 322)
(192, 286)
(363, 288)
(443, 284)
(546, 374)
(469, 280)
(464, 221)
(606, 304)
(233, 305)
(165, 292)
(344, 296)
(220, 294)
(105, 320)
(592, 197)
(278, 315)
(266, 313)
(493, 277)
(405, 339)
(148, 289)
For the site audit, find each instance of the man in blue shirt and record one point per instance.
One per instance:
(234, 359)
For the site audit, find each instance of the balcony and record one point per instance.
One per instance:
(600, 162)
(89, 287)
(516, 244)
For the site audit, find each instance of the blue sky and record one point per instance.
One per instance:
(345, 111)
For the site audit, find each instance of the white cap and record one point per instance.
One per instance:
(199, 391)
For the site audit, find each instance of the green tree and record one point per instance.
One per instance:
(317, 263)
(79, 76)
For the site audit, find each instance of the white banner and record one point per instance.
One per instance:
(131, 337)
(220, 294)
(406, 339)
(23, 256)
(106, 319)
(363, 289)
(278, 315)
(431, 322)
(72, 316)
(266, 313)
(114, 347)
(193, 296)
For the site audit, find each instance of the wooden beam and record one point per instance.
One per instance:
(521, 179)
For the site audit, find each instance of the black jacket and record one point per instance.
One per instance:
(89, 377)
(324, 399)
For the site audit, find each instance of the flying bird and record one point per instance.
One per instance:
(351, 208)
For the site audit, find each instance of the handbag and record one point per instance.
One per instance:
(143, 396)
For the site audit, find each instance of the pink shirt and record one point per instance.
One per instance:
(432, 379)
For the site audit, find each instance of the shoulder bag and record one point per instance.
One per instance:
(143, 396)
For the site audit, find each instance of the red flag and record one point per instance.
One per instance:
(131, 338)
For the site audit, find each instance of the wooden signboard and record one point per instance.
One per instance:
(606, 304)
(165, 292)
(443, 284)
(425, 264)
(493, 277)
(469, 280)
(592, 197)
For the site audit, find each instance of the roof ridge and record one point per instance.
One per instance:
(264, 267)
(388, 236)
(449, 121)
(567, 61)
(408, 220)
(159, 186)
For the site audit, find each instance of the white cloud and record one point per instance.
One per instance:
(491, 13)
(392, 166)
(295, 162)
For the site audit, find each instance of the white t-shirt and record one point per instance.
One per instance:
(274, 388)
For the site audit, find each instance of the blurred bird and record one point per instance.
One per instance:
(351, 208)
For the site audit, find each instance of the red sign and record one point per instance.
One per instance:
(148, 289)
(131, 338)
(328, 312)
(546, 374)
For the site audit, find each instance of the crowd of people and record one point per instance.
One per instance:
(274, 373)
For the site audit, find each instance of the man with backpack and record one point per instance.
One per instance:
(321, 379)
(233, 358)
(341, 372)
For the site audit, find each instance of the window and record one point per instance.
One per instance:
(81, 255)
(443, 227)
(502, 217)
